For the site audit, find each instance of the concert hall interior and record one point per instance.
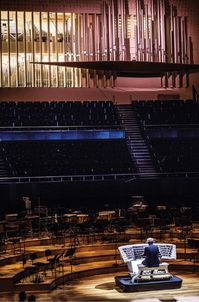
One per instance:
(99, 144)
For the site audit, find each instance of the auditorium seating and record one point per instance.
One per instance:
(24, 114)
(43, 158)
(177, 155)
(172, 130)
(176, 152)
(167, 112)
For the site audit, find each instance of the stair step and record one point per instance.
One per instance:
(143, 159)
(138, 150)
(141, 154)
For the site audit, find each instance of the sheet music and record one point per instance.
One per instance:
(133, 252)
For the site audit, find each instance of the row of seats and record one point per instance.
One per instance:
(48, 158)
(69, 113)
(177, 155)
(167, 112)
(173, 154)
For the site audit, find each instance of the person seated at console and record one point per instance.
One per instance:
(152, 254)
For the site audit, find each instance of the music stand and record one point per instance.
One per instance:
(70, 253)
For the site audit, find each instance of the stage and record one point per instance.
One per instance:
(125, 283)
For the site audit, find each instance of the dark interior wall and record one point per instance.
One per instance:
(98, 195)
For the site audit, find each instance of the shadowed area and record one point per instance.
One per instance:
(129, 68)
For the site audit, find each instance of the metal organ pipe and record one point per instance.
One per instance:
(147, 46)
(185, 44)
(110, 34)
(113, 29)
(138, 29)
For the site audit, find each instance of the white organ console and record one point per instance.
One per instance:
(133, 256)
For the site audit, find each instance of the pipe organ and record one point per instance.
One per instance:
(116, 30)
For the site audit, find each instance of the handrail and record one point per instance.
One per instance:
(96, 177)
(60, 127)
(171, 125)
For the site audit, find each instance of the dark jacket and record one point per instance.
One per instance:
(151, 253)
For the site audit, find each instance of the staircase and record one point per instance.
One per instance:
(136, 143)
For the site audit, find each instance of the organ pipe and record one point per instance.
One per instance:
(1, 52)
(138, 29)
(147, 51)
(113, 29)
(159, 32)
(152, 44)
(179, 44)
(110, 35)
(172, 36)
(186, 59)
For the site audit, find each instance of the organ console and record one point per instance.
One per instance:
(133, 256)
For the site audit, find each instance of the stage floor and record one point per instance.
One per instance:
(103, 288)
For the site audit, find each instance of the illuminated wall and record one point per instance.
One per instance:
(149, 30)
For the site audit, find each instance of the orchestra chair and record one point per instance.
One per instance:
(48, 253)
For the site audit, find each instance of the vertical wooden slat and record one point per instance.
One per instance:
(17, 50)
(64, 45)
(40, 48)
(25, 48)
(9, 67)
(33, 49)
(48, 49)
(56, 51)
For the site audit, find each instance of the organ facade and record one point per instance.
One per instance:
(110, 30)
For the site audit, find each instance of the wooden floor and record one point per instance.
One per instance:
(102, 288)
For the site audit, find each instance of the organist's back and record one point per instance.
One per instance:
(151, 253)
